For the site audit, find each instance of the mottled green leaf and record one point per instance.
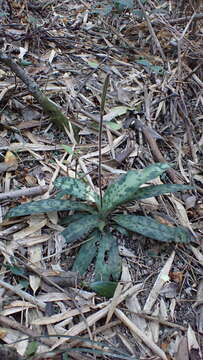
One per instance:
(86, 254)
(70, 218)
(148, 227)
(44, 206)
(108, 263)
(104, 288)
(76, 188)
(81, 228)
(155, 190)
(124, 189)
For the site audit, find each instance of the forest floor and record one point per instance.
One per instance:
(153, 52)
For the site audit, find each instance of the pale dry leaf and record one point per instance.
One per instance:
(162, 278)
(163, 309)
(30, 316)
(21, 147)
(199, 306)
(190, 202)
(197, 254)
(12, 336)
(126, 343)
(53, 296)
(192, 341)
(125, 274)
(51, 330)
(7, 253)
(45, 320)
(172, 308)
(104, 150)
(154, 326)
(51, 56)
(123, 251)
(30, 230)
(22, 52)
(133, 305)
(10, 159)
(23, 294)
(3, 333)
(137, 332)
(114, 301)
(81, 326)
(22, 344)
(169, 290)
(7, 182)
(65, 322)
(92, 319)
(182, 352)
(34, 282)
(33, 240)
(181, 213)
(53, 217)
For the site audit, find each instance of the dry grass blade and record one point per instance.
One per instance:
(160, 281)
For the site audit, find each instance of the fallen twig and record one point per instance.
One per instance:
(33, 191)
(56, 116)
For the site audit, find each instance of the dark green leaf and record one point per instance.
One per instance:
(86, 254)
(104, 288)
(76, 188)
(155, 190)
(108, 263)
(81, 228)
(44, 206)
(148, 227)
(114, 261)
(124, 189)
(70, 218)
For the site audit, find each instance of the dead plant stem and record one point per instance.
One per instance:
(103, 100)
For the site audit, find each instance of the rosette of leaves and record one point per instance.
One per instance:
(95, 220)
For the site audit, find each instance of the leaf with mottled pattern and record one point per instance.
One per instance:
(124, 189)
(146, 226)
(108, 263)
(81, 228)
(44, 206)
(155, 190)
(76, 188)
(86, 254)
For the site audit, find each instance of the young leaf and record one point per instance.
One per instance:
(108, 263)
(124, 189)
(86, 254)
(104, 288)
(155, 190)
(80, 228)
(76, 188)
(148, 227)
(44, 206)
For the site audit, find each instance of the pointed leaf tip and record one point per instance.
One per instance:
(125, 188)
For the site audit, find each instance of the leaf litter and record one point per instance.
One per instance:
(154, 102)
